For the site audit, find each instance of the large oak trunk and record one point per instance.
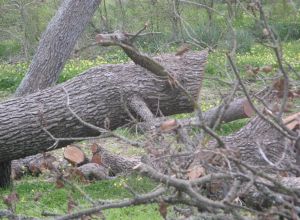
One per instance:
(99, 96)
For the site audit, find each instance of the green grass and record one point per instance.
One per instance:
(258, 56)
(231, 127)
(55, 200)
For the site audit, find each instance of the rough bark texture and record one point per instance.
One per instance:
(93, 171)
(258, 142)
(5, 180)
(235, 110)
(261, 147)
(57, 44)
(97, 96)
(33, 165)
(115, 163)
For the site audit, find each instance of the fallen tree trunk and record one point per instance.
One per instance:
(99, 96)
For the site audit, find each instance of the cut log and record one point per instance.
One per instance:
(75, 155)
(115, 163)
(292, 122)
(99, 96)
(93, 171)
(32, 165)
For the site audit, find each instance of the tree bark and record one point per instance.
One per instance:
(56, 44)
(260, 144)
(115, 163)
(5, 168)
(97, 96)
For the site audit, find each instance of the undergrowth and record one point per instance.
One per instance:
(37, 195)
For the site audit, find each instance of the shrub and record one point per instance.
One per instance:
(8, 48)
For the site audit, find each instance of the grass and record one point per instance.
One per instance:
(37, 195)
(258, 56)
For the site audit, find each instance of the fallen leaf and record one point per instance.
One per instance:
(94, 148)
(267, 69)
(196, 172)
(71, 205)
(163, 209)
(59, 184)
(183, 49)
(279, 85)
(11, 199)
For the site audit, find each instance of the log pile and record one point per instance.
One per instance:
(99, 166)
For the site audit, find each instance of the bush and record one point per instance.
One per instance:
(210, 35)
(287, 31)
(8, 48)
(245, 41)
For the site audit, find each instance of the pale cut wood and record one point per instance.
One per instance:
(74, 155)
(292, 121)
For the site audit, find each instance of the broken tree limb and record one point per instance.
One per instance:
(28, 124)
(237, 109)
(138, 105)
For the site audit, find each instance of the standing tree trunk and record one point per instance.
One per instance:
(55, 47)
(175, 19)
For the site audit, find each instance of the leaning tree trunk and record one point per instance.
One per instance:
(100, 97)
(54, 49)
(57, 44)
